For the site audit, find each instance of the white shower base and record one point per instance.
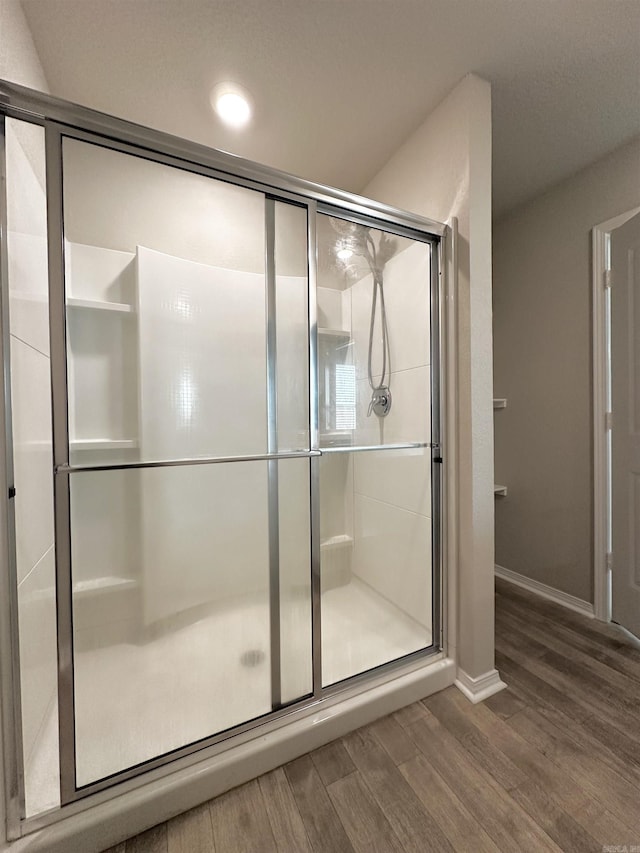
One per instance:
(117, 685)
(361, 629)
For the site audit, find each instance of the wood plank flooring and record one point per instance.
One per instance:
(550, 764)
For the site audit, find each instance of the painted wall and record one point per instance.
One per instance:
(444, 170)
(31, 401)
(19, 61)
(542, 365)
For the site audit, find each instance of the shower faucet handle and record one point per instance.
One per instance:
(380, 403)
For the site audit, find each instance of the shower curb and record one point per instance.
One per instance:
(107, 823)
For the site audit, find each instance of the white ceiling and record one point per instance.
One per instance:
(339, 84)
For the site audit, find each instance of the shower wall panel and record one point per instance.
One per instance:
(202, 357)
(292, 370)
(31, 426)
(202, 371)
(294, 487)
(180, 678)
(393, 489)
(331, 309)
(336, 474)
(377, 554)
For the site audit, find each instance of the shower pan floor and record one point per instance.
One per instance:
(136, 701)
(362, 630)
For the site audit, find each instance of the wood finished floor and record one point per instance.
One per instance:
(551, 763)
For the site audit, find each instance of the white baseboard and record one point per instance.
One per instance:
(480, 688)
(548, 592)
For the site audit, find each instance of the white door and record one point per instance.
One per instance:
(625, 391)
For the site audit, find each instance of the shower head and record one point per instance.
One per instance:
(343, 227)
(351, 235)
(377, 247)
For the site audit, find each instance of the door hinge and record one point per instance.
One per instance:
(608, 420)
(12, 492)
(607, 278)
(609, 561)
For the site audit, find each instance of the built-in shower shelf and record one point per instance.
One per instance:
(103, 444)
(499, 403)
(336, 438)
(103, 584)
(335, 333)
(100, 305)
(342, 540)
(500, 491)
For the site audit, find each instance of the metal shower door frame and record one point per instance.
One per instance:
(63, 469)
(60, 119)
(10, 684)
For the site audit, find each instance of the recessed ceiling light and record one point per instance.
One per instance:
(232, 104)
(344, 254)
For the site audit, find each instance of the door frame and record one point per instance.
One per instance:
(601, 373)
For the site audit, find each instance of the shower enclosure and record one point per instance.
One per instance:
(223, 447)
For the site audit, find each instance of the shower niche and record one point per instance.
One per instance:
(103, 357)
(230, 509)
(102, 371)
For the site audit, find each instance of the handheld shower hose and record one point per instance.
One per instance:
(380, 402)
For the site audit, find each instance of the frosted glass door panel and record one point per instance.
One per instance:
(294, 549)
(202, 359)
(165, 291)
(353, 358)
(173, 645)
(27, 268)
(292, 327)
(376, 558)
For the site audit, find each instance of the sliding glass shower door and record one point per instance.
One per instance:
(246, 465)
(186, 491)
